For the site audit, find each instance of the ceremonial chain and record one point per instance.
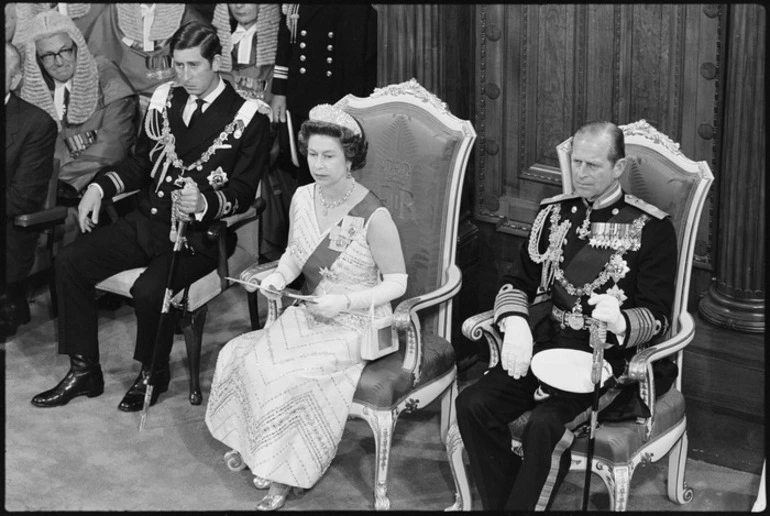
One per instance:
(616, 268)
(167, 139)
(335, 204)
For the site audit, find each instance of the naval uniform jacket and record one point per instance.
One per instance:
(642, 276)
(244, 161)
(334, 53)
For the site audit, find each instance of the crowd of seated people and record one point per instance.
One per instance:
(93, 68)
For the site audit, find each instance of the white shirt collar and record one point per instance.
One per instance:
(213, 94)
(190, 106)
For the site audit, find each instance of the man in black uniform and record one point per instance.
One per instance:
(602, 255)
(203, 135)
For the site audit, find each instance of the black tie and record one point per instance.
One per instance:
(66, 103)
(197, 113)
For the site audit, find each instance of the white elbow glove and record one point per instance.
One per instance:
(392, 286)
(517, 346)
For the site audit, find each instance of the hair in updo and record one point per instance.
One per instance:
(354, 146)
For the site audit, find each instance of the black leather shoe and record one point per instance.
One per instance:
(84, 378)
(133, 401)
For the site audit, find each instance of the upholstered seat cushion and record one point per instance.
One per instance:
(384, 383)
(209, 286)
(617, 442)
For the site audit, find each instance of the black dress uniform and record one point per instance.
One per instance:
(625, 248)
(227, 178)
(332, 52)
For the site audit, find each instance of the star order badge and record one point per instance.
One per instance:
(217, 178)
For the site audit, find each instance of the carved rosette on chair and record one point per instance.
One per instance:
(418, 152)
(660, 174)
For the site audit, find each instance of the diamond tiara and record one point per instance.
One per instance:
(332, 115)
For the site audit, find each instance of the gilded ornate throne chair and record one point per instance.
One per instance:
(660, 174)
(418, 152)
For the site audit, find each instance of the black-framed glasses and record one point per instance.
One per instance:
(65, 53)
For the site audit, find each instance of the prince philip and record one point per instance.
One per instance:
(199, 133)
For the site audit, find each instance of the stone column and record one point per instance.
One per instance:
(735, 299)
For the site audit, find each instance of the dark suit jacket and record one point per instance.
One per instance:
(30, 137)
(335, 53)
(245, 162)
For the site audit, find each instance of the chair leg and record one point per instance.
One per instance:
(254, 310)
(192, 327)
(617, 480)
(678, 491)
(54, 312)
(450, 436)
(382, 423)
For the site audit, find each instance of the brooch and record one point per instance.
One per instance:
(217, 178)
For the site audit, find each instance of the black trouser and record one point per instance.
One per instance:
(20, 247)
(105, 251)
(505, 480)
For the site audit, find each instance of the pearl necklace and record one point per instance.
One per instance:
(336, 204)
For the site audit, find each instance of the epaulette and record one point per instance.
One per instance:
(646, 207)
(559, 198)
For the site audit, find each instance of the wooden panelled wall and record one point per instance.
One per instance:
(546, 69)
(529, 75)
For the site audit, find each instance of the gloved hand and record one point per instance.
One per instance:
(517, 346)
(608, 310)
(274, 282)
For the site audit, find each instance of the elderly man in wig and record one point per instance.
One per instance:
(83, 14)
(136, 36)
(249, 35)
(199, 158)
(89, 98)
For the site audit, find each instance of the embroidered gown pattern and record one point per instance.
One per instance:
(281, 396)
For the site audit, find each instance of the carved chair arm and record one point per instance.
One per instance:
(43, 218)
(640, 367)
(483, 325)
(218, 231)
(405, 318)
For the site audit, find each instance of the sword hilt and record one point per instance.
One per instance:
(598, 341)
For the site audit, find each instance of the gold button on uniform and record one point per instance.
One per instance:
(328, 73)
(160, 193)
(154, 211)
(303, 33)
(302, 58)
(331, 34)
(302, 45)
(302, 70)
(168, 179)
(329, 47)
(329, 60)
